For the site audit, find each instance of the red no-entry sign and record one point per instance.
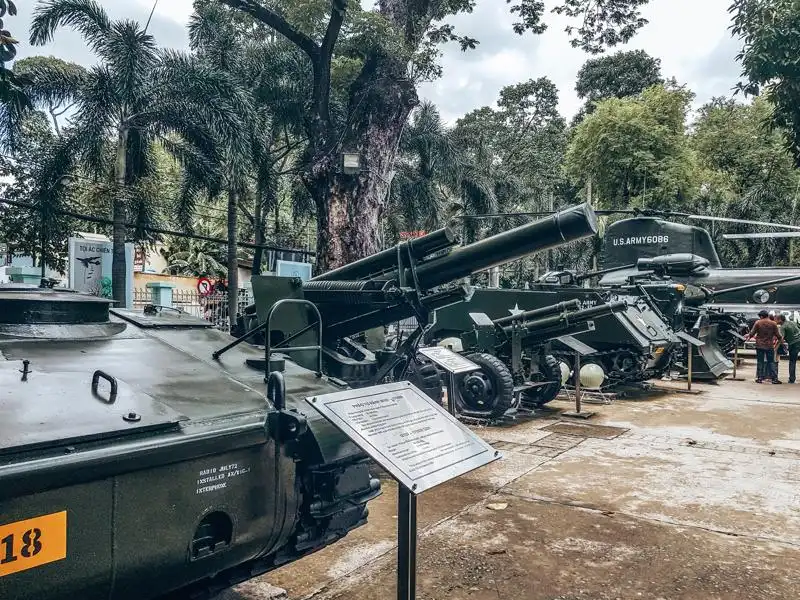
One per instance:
(204, 286)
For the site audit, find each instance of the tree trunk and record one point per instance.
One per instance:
(233, 262)
(258, 226)
(350, 208)
(118, 262)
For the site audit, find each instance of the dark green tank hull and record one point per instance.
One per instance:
(184, 484)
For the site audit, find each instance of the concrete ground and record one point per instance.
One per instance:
(666, 497)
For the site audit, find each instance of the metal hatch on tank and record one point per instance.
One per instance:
(129, 455)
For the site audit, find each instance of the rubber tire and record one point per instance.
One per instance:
(550, 370)
(426, 376)
(725, 341)
(503, 383)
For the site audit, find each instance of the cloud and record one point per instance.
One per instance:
(690, 37)
(168, 31)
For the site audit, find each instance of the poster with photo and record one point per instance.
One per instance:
(90, 263)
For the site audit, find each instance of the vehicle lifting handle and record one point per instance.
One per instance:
(112, 380)
(268, 344)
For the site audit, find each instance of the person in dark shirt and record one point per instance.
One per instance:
(791, 333)
(768, 337)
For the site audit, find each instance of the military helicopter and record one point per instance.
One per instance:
(687, 254)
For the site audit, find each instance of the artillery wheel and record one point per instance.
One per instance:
(487, 393)
(426, 376)
(548, 371)
(726, 325)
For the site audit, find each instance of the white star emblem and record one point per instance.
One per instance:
(516, 310)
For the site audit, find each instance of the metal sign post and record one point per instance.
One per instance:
(454, 365)
(739, 338)
(578, 349)
(416, 441)
(692, 342)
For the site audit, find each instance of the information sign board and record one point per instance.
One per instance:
(449, 360)
(415, 440)
(290, 268)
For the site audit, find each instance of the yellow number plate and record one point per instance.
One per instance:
(659, 350)
(32, 543)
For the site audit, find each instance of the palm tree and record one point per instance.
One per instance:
(14, 102)
(250, 170)
(137, 96)
(187, 256)
(435, 177)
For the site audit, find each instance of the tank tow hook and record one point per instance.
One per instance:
(282, 424)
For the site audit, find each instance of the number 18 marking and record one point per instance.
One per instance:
(32, 543)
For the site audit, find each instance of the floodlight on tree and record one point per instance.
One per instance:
(351, 163)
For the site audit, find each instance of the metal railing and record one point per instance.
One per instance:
(213, 308)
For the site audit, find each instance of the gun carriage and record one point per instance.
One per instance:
(409, 281)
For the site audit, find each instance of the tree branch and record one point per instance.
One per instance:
(278, 23)
(322, 63)
(247, 213)
(338, 10)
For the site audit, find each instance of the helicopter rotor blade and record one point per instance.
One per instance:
(761, 236)
(640, 213)
(744, 222)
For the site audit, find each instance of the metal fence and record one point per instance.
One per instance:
(213, 308)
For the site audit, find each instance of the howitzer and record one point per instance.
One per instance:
(544, 327)
(539, 312)
(561, 228)
(400, 283)
(517, 370)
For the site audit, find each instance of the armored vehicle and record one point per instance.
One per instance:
(514, 351)
(685, 303)
(411, 280)
(135, 466)
(687, 253)
(631, 345)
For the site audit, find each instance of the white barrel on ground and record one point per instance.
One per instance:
(592, 376)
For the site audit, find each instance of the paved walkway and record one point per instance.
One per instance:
(672, 497)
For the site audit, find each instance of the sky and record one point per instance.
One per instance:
(691, 38)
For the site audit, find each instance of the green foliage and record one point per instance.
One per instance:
(605, 22)
(635, 150)
(274, 77)
(437, 176)
(135, 98)
(519, 146)
(752, 176)
(770, 34)
(21, 228)
(523, 138)
(14, 102)
(618, 75)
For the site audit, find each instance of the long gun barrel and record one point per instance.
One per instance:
(353, 299)
(561, 228)
(590, 274)
(566, 226)
(352, 316)
(568, 305)
(545, 324)
(386, 261)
